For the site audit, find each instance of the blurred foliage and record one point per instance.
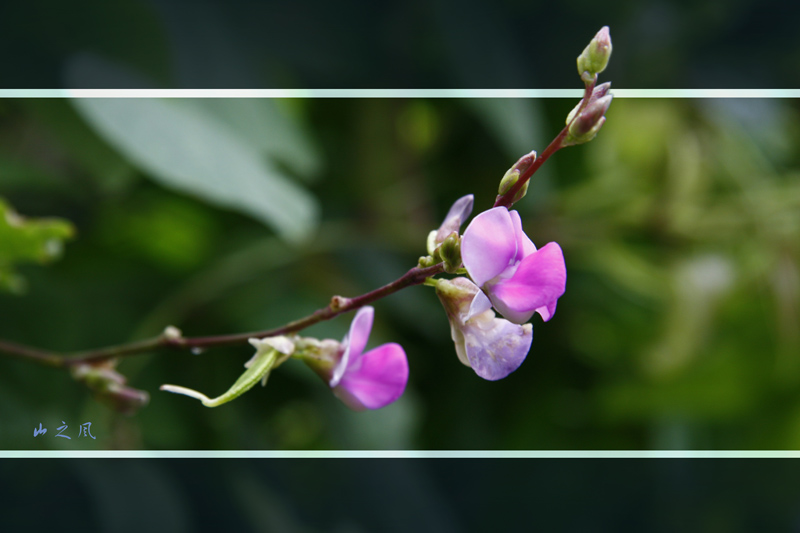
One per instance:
(680, 226)
(23, 240)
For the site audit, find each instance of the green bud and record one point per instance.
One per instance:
(594, 58)
(426, 261)
(512, 176)
(508, 181)
(521, 192)
(431, 243)
(450, 252)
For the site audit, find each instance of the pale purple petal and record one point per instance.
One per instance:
(458, 213)
(375, 379)
(540, 279)
(488, 245)
(525, 246)
(480, 304)
(496, 347)
(354, 342)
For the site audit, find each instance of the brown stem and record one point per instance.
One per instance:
(507, 200)
(338, 305)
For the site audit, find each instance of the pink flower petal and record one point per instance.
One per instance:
(525, 246)
(488, 245)
(539, 281)
(547, 311)
(355, 341)
(375, 379)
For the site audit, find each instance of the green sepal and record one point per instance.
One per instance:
(260, 367)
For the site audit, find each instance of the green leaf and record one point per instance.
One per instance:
(267, 125)
(24, 240)
(189, 151)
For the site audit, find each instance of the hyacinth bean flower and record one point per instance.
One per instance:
(516, 278)
(368, 380)
(492, 347)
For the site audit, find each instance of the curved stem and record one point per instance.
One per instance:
(338, 305)
(507, 199)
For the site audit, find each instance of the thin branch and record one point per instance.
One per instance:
(507, 199)
(338, 305)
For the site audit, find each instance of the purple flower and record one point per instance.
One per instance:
(492, 347)
(368, 380)
(517, 278)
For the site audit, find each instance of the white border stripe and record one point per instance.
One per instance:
(391, 93)
(421, 454)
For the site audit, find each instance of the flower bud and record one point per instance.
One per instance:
(594, 58)
(109, 387)
(585, 126)
(512, 175)
(450, 252)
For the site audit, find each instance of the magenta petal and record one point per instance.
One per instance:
(540, 279)
(547, 311)
(375, 379)
(355, 341)
(496, 347)
(488, 245)
(525, 246)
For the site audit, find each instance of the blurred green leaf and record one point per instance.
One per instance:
(188, 151)
(25, 240)
(266, 125)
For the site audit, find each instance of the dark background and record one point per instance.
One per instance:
(418, 44)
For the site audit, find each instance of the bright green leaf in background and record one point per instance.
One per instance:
(25, 240)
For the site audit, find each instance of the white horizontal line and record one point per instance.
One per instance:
(418, 454)
(391, 93)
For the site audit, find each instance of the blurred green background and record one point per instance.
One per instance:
(680, 225)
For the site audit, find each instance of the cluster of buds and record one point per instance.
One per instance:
(586, 119)
(109, 386)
